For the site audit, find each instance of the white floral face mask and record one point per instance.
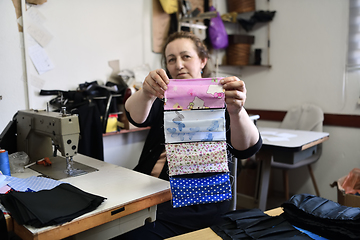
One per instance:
(199, 157)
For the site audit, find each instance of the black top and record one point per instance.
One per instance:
(191, 217)
(155, 141)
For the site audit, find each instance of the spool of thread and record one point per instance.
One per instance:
(4, 162)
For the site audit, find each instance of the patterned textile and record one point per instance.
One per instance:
(198, 157)
(196, 141)
(194, 126)
(191, 191)
(194, 94)
(34, 183)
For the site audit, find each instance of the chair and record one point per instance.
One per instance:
(233, 165)
(305, 117)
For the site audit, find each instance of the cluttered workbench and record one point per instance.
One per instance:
(130, 198)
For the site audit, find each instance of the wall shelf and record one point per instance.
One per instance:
(264, 66)
(122, 131)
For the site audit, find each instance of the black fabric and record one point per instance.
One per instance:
(3, 227)
(192, 217)
(254, 224)
(322, 216)
(188, 218)
(153, 231)
(175, 221)
(91, 111)
(257, 17)
(50, 207)
(91, 135)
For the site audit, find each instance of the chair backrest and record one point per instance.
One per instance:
(307, 117)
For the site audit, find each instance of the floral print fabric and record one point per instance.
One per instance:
(195, 141)
(199, 157)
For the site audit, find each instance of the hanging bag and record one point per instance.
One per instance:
(217, 32)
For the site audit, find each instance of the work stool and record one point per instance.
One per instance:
(305, 117)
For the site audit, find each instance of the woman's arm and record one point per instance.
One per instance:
(244, 133)
(139, 104)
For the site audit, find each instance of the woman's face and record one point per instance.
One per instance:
(182, 60)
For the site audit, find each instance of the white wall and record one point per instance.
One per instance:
(12, 87)
(308, 49)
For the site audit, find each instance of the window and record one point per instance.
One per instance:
(353, 56)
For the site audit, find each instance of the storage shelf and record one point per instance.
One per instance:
(122, 131)
(265, 66)
(202, 16)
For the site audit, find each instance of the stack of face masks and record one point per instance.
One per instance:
(255, 224)
(194, 127)
(322, 216)
(49, 207)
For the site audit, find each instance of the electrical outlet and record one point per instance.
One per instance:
(0, 97)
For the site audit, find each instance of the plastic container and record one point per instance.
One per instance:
(351, 182)
(18, 161)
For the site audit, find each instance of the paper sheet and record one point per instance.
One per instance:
(39, 33)
(40, 59)
(277, 137)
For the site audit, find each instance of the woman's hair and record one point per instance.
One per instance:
(201, 49)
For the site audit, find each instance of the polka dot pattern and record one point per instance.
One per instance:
(196, 141)
(191, 191)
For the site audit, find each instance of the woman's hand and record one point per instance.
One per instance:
(235, 94)
(155, 83)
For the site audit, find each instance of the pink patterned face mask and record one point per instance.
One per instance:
(196, 157)
(190, 94)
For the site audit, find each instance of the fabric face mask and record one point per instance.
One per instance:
(198, 157)
(200, 93)
(191, 191)
(194, 126)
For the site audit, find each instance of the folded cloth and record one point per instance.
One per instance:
(50, 207)
(255, 224)
(322, 216)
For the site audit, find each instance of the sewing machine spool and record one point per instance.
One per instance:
(57, 170)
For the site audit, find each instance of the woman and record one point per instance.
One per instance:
(185, 57)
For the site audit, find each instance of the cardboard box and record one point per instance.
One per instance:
(350, 200)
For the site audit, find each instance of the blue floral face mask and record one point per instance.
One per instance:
(194, 126)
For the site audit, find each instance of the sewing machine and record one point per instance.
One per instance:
(42, 134)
